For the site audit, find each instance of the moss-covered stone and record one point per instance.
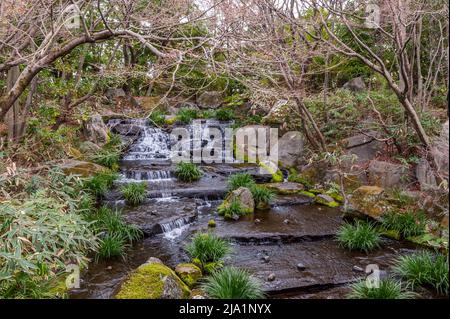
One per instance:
(287, 188)
(369, 201)
(393, 234)
(306, 193)
(212, 223)
(278, 177)
(189, 273)
(326, 200)
(153, 281)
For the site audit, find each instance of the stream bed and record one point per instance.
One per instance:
(275, 242)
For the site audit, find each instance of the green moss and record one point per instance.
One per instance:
(146, 283)
(336, 196)
(306, 193)
(189, 273)
(322, 201)
(317, 191)
(393, 234)
(278, 177)
(212, 223)
(295, 177)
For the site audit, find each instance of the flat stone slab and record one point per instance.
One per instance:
(326, 263)
(279, 224)
(285, 188)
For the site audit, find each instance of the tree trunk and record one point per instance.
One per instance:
(12, 117)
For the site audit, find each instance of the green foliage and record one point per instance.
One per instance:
(295, 177)
(361, 236)
(208, 248)
(188, 172)
(388, 289)
(232, 209)
(261, 195)
(424, 269)
(406, 223)
(235, 100)
(111, 246)
(240, 180)
(185, 115)
(232, 283)
(158, 118)
(134, 193)
(225, 114)
(99, 184)
(108, 158)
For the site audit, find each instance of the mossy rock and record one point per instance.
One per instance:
(336, 196)
(326, 200)
(212, 223)
(369, 201)
(170, 120)
(393, 234)
(287, 188)
(308, 194)
(189, 273)
(278, 177)
(153, 281)
(85, 169)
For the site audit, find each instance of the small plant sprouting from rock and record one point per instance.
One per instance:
(188, 172)
(134, 193)
(388, 289)
(406, 223)
(231, 210)
(240, 180)
(208, 250)
(232, 283)
(425, 269)
(362, 236)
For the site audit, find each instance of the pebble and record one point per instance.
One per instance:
(358, 269)
(271, 277)
(301, 267)
(286, 221)
(257, 221)
(266, 258)
(109, 267)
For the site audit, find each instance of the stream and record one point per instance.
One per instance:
(294, 231)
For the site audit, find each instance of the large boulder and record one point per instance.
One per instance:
(85, 169)
(153, 280)
(290, 149)
(189, 273)
(363, 146)
(355, 85)
(242, 195)
(369, 201)
(210, 100)
(96, 130)
(385, 174)
(425, 175)
(440, 150)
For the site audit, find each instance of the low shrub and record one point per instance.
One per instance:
(225, 114)
(232, 283)
(188, 172)
(261, 195)
(388, 289)
(134, 193)
(99, 184)
(240, 180)
(406, 223)
(208, 248)
(361, 236)
(231, 210)
(185, 115)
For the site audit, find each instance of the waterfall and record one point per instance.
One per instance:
(175, 228)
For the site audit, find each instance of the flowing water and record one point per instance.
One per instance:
(269, 242)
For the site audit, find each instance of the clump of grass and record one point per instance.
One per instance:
(158, 118)
(232, 283)
(186, 115)
(134, 193)
(362, 236)
(240, 180)
(407, 224)
(388, 289)
(208, 248)
(261, 195)
(225, 114)
(424, 269)
(188, 172)
(108, 158)
(117, 234)
(111, 246)
(231, 210)
(99, 184)
(208, 114)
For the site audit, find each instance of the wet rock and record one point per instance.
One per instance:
(266, 258)
(301, 267)
(286, 221)
(326, 200)
(287, 188)
(85, 169)
(257, 221)
(357, 84)
(210, 100)
(153, 280)
(290, 149)
(385, 174)
(271, 277)
(96, 130)
(189, 273)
